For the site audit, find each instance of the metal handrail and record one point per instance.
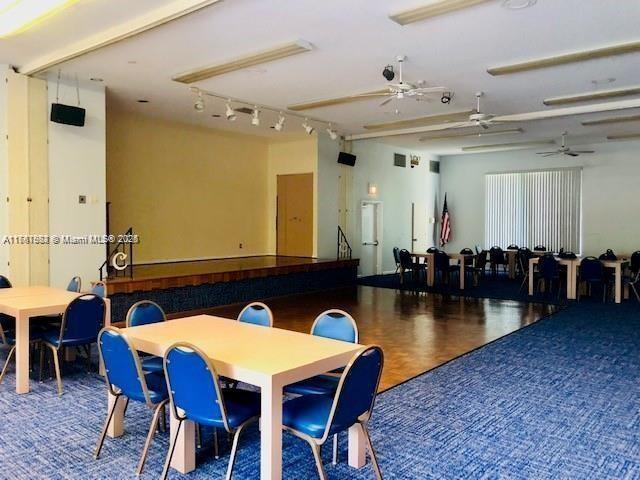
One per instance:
(344, 250)
(121, 246)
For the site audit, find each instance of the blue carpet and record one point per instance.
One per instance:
(559, 399)
(499, 287)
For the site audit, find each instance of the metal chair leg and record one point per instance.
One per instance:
(6, 364)
(216, 446)
(56, 364)
(163, 419)
(150, 434)
(172, 447)
(41, 374)
(103, 434)
(315, 448)
(234, 450)
(198, 436)
(633, 287)
(335, 450)
(372, 452)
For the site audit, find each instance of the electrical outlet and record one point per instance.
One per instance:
(82, 199)
(240, 245)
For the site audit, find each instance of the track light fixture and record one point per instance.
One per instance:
(255, 118)
(307, 128)
(446, 97)
(388, 73)
(199, 104)
(280, 123)
(230, 112)
(332, 133)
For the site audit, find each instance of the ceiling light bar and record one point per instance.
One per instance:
(581, 56)
(630, 136)
(19, 15)
(433, 9)
(598, 95)
(507, 146)
(421, 121)
(240, 63)
(335, 101)
(607, 121)
(480, 134)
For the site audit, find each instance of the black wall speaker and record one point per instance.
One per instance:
(347, 159)
(67, 114)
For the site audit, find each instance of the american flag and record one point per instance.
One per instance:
(445, 229)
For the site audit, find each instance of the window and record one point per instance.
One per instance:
(534, 208)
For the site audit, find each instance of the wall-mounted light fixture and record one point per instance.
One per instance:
(372, 189)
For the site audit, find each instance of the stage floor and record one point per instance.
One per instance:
(416, 332)
(154, 276)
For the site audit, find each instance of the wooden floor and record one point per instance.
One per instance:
(416, 332)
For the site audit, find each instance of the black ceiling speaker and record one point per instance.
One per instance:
(346, 159)
(67, 114)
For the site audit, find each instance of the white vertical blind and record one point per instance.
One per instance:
(534, 208)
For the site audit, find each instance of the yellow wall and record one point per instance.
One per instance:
(291, 156)
(189, 192)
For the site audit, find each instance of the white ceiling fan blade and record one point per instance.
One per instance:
(427, 90)
(547, 154)
(569, 111)
(583, 151)
(387, 100)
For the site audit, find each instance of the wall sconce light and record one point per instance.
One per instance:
(372, 189)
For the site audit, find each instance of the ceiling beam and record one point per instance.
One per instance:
(589, 96)
(336, 101)
(433, 9)
(507, 146)
(476, 134)
(629, 136)
(136, 26)
(607, 121)
(574, 57)
(421, 121)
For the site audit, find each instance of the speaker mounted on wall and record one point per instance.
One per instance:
(68, 114)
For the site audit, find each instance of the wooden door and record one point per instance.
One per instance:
(295, 215)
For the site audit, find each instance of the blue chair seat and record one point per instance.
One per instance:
(318, 385)
(52, 336)
(241, 405)
(157, 387)
(310, 414)
(152, 364)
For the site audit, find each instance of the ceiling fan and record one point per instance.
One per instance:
(478, 118)
(565, 150)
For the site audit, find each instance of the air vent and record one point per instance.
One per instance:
(247, 110)
(434, 166)
(399, 160)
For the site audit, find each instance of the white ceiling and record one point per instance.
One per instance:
(353, 40)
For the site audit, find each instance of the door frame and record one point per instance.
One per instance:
(379, 232)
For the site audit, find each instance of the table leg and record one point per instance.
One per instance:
(431, 271)
(22, 353)
(271, 432)
(618, 273)
(572, 273)
(462, 275)
(357, 449)
(531, 267)
(184, 454)
(116, 427)
(512, 265)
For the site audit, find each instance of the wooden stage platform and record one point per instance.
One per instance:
(191, 285)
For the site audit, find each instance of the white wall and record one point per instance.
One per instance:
(610, 183)
(4, 173)
(328, 173)
(77, 166)
(397, 189)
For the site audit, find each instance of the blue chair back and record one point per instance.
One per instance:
(256, 313)
(99, 289)
(406, 262)
(396, 255)
(335, 324)
(122, 365)
(634, 265)
(356, 391)
(432, 250)
(144, 312)
(442, 261)
(4, 282)
(513, 246)
(608, 255)
(82, 320)
(496, 255)
(591, 269)
(75, 285)
(539, 248)
(193, 383)
(548, 267)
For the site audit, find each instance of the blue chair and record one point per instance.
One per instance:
(4, 282)
(75, 285)
(99, 289)
(549, 272)
(194, 390)
(6, 321)
(314, 418)
(396, 258)
(146, 312)
(337, 325)
(633, 278)
(592, 272)
(256, 313)
(496, 259)
(125, 378)
(81, 323)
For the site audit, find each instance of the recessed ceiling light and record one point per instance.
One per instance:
(132, 62)
(603, 81)
(142, 100)
(97, 79)
(518, 4)
(216, 115)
